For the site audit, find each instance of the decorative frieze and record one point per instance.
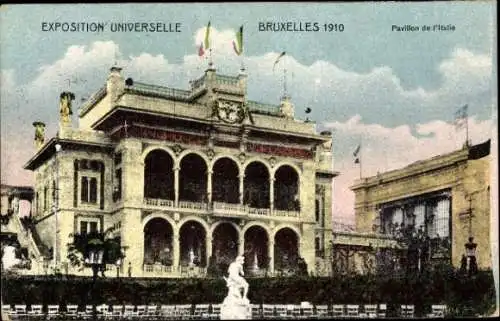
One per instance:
(280, 151)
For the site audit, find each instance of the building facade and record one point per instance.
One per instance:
(446, 198)
(187, 179)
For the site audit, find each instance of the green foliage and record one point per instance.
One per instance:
(464, 296)
(82, 244)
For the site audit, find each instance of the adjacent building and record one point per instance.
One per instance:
(446, 197)
(187, 179)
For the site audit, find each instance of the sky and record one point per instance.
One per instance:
(396, 92)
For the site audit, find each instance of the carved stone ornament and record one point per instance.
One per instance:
(177, 149)
(210, 154)
(242, 157)
(230, 112)
(272, 161)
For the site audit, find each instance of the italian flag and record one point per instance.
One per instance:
(238, 44)
(201, 51)
(207, 37)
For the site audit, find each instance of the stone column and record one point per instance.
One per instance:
(241, 244)
(176, 185)
(242, 179)
(271, 194)
(209, 247)
(209, 187)
(271, 256)
(176, 240)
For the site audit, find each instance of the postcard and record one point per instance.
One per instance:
(249, 160)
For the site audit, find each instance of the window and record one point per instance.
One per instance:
(118, 158)
(83, 227)
(88, 189)
(317, 211)
(37, 203)
(89, 226)
(45, 198)
(117, 192)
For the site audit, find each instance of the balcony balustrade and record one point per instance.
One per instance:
(193, 205)
(219, 208)
(159, 202)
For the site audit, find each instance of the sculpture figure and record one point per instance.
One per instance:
(65, 106)
(236, 305)
(235, 281)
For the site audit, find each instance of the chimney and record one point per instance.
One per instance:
(39, 134)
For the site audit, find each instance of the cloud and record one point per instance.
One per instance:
(398, 125)
(385, 148)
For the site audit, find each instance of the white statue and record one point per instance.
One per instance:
(255, 266)
(9, 257)
(236, 305)
(191, 257)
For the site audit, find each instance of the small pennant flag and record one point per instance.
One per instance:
(278, 59)
(356, 154)
(461, 117)
(238, 44)
(207, 37)
(201, 51)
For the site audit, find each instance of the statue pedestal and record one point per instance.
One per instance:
(234, 308)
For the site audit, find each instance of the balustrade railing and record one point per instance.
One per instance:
(259, 211)
(286, 213)
(221, 208)
(228, 207)
(193, 205)
(159, 202)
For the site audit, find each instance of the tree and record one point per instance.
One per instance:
(84, 243)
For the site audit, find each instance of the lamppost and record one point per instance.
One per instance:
(55, 206)
(470, 252)
(95, 260)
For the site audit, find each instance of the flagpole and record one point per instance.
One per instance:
(360, 159)
(467, 126)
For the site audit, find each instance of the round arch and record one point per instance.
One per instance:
(149, 149)
(256, 223)
(259, 160)
(286, 163)
(158, 215)
(196, 219)
(231, 157)
(287, 225)
(178, 160)
(214, 226)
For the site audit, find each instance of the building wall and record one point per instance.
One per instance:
(452, 171)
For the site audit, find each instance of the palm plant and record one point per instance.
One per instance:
(84, 243)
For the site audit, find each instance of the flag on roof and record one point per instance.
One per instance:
(356, 154)
(201, 51)
(461, 117)
(207, 37)
(238, 44)
(278, 59)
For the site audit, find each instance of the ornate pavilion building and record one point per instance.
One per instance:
(187, 178)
